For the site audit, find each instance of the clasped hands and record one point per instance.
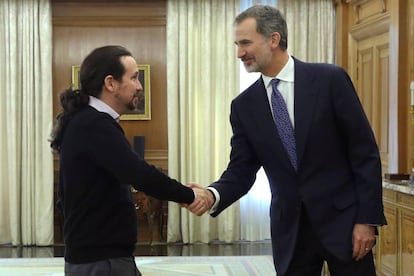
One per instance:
(203, 200)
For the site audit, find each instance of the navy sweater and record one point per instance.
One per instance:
(97, 167)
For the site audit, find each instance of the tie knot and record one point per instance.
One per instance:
(274, 82)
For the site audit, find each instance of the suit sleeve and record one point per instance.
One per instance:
(241, 171)
(363, 153)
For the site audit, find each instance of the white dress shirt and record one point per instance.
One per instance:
(102, 107)
(285, 86)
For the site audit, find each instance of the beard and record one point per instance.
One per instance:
(132, 105)
(251, 67)
(257, 63)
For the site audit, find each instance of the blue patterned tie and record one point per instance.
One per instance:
(283, 124)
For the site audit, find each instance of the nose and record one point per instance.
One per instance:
(240, 52)
(139, 86)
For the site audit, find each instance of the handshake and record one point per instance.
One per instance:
(203, 201)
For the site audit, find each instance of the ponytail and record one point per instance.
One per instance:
(71, 101)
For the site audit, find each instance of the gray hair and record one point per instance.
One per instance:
(268, 21)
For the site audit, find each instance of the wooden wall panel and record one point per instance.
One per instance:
(79, 27)
(380, 33)
(410, 57)
(399, 82)
(361, 19)
(389, 243)
(140, 26)
(110, 13)
(370, 63)
(365, 10)
(395, 245)
(407, 242)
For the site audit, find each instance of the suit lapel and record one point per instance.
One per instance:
(265, 123)
(305, 95)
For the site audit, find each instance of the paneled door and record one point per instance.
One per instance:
(371, 66)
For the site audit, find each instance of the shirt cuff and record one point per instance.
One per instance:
(216, 202)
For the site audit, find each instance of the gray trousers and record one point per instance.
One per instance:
(110, 267)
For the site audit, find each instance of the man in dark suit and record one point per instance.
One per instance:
(326, 184)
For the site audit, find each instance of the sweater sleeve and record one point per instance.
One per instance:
(112, 151)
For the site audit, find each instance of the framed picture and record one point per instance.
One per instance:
(143, 109)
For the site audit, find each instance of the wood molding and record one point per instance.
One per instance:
(361, 2)
(104, 21)
(112, 14)
(158, 158)
(365, 9)
(342, 33)
(410, 58)
(372, 27)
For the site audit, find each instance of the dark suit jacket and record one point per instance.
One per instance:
(339, 169)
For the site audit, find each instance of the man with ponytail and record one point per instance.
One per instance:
(97, 165)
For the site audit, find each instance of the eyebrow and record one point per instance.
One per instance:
(243, 41)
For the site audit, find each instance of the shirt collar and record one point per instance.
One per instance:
(102, 107)
(287, 73)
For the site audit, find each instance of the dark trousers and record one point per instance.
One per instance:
(110, 267)
(310, 255)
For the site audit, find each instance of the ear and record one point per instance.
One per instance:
(275, 37)
(110, 83)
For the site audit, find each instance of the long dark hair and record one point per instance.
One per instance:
(100, 63)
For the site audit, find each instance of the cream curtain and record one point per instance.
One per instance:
(202, 79)
(254, 206)
(311, 29)
(26, 171)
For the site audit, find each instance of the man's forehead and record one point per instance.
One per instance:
(247, 26)
(248, 23)
(127, 59)
(245, 31)
(129, 63)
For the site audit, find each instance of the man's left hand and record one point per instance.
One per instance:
(363, 239)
